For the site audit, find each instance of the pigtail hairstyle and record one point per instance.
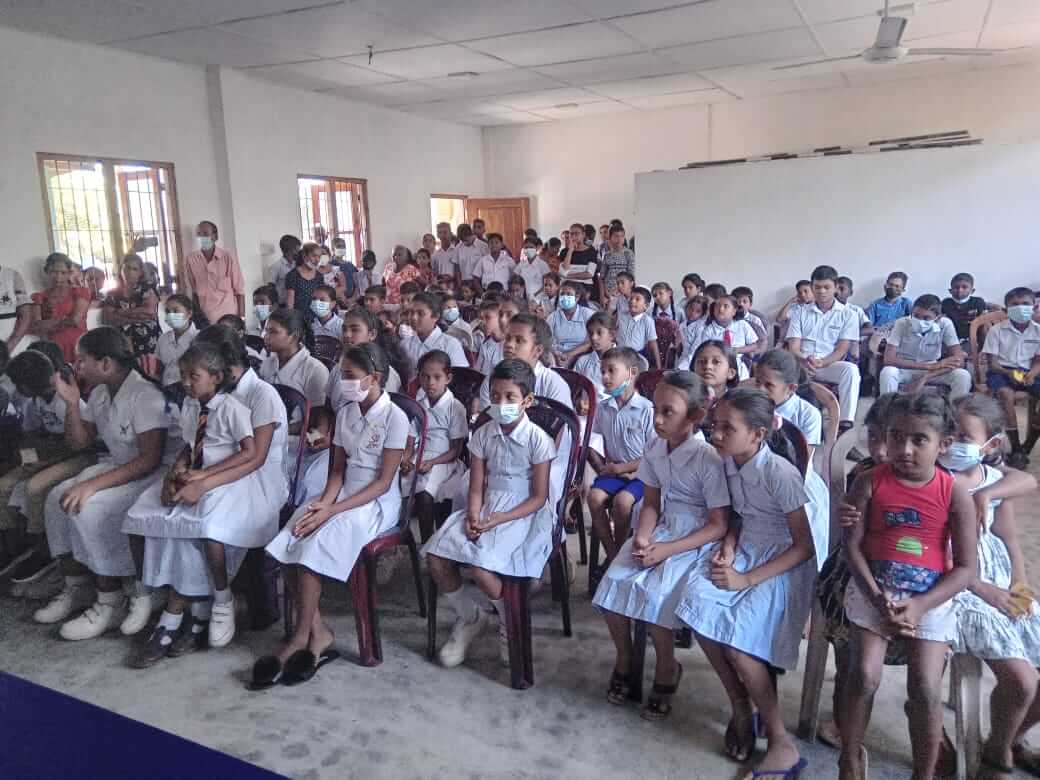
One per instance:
(759, 411)
(791, 371)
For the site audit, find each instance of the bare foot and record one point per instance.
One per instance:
(781, 756)
(287, 650)
(321, 640)
(851, 765)
(740, 733)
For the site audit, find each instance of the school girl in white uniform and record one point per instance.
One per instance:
(84, 515)
(506, 528)
(362, 500)
(360, 326)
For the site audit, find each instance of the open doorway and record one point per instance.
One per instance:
(447, 208)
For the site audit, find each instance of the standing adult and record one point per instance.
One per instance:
(616, 259)
(400, 270)
(280, 268)
(15, 308)
(580, 261)
(214, 275)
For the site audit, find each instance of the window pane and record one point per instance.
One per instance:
(450, 210)
(79, 211)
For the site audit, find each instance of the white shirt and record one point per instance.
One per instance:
(532, 271)
(489, 355)
(805, 417)
(821, 331)
(169, 349)
(302, 372)
(469, 257)
(511, 457)
(266, 407)
(364, 437)
(13, 295)
(39, 414)
(415, 347)
(626, 429)
(635, 332)
(276, 273)
(590, 366)
(860, 314)
(494, 269)
(333, 328)
(227, 424)
(444, 261)
(691, 478)
(922, 348)
(569, 332)
(463, 332)
(547, 304)
(1013, 348)
(446, 421)
(138, 407)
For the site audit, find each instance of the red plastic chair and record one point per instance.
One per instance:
(363, 578)
(465, 385)
(669, 338)
(552, 417)
(647, 381)
(580, 386)
(328, 350)
(150, 366)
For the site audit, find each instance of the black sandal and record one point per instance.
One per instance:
(659, 702)
(620, 687)
(739, 747)
(267, 672)
(302, 665)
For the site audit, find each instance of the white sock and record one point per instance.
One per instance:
(222, 596)
(201, 610)
(463, 605)
(170, 621)
(79, 581)
(110, 598)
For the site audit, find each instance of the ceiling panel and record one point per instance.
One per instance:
(834, 10)
(334, 31)
(604, 9)
(788, 83)
(497, 82)
(396, 94)
(708, 21)
(748, 49)
(658, 85)
(701, 96)
(1009, 36)
(562, 44)
(94, 21)
(446, 109)
(1008, 10)
(329, 72)
(460, 20)
(609, 68)
(583, 110)
(206, 12)
(528, 101)
(429, 62)
(910, 68)
(848, 36)
(212, 46)
(493, 120)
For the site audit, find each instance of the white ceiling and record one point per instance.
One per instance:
(540, 60)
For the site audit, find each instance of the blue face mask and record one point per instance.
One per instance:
(924, 326)
(263, 311)
(505, 414)
(321, 308)
(616, 392)
(450, 315)
(961, 456)
(1021, 313)
(176, 320)
(568, 302)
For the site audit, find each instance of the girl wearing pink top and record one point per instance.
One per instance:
(903, 580)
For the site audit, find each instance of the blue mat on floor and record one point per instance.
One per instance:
(47, 735)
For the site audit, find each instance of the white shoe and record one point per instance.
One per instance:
(141, 609)
(462, 635)
(70, 599)
(98, 619)
(222, 624)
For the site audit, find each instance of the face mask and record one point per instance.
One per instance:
(891, 292)
(1021, 313)
(618, 391)
(925, 327)
(351, 390)
(568, 302)
(963, 300)
(505, 414)
(530, 252)
(961, 456)
(263, 311)
(341, 251)
(176, 319)
(313, 437)
(205, 243)
(450, 315)
(321, 308)
(405, 331)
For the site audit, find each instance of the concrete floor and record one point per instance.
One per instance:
(411, 719)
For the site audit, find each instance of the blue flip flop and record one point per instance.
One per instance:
(792, 773)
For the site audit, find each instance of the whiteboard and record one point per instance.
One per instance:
(930, 213)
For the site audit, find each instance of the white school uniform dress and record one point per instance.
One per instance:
(519, 548)
(333, 328)
(469, 257)
(807, 419)
(13, 296)
(334, 548)
(764, 621)
(301, 372)
(95, 536)
(168, 351)
(314, 474)
(692, 480)
(444, 261)
(569, 332)
(445, 420)
(741, 334)
(415, 347)
(691, 339)
(334, 388)
(923, 348)
(671, 312)
(635, 332)
(590, 366)
(548, 304)
(174, 548)
(496, 269)
(1013, 348)
(489, 355)
(983, 630)
(819, 332)
(532, 271)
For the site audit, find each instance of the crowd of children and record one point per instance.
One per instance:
(704, 497)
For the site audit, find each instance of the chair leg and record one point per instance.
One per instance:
(413, 553)
(431, 620)
(966, 673)
(287, 606)
(812, 682)
(593, 560)
(360, 584)
(560, 585)
(636, 664)
(684, 638)
(518, 631)
(579, 518)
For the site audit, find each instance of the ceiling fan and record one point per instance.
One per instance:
(887, 48)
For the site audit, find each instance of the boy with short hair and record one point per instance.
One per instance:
(422, 315)
(468, 253)
(496, 265)
(408, 292)
(923, 349)
(803, 296)
(375, 297)
(626, 422)
(366, 276)
(551, 255)
(345, 267)
(1012, 351)
(567, 324)
(962, 305)
(453, 324)
(489, 352)
(820, 334)
(619, 305)
(843, 291)
(326, 321)
(636, 329)
(444, 260)
(893, 304)
(745, 299)
(600, 328)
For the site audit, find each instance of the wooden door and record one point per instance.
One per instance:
(508, 216)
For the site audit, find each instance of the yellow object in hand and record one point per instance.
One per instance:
(1022, 597)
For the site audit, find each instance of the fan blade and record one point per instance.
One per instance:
(890, 32)
(816, 62)
(958, 52)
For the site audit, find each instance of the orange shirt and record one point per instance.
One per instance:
(216, 282)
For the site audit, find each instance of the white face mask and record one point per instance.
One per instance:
(321, 308)
(1021, 313)
(205, 243)
(341, 251)
(530, 253)
(962, 300)
(405, 331)
(568, 302)
(505, 414)
(176, 319)
(963, 455)
(924, 327)
(351, 390)
(450, 315)
(263, 311)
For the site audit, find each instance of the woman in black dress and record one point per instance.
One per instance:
(133, 306)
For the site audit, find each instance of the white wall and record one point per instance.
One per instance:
(583, 169)
(63, 97)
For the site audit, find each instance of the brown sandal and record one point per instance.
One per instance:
(659, 702)
(617, 692)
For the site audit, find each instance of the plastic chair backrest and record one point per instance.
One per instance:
(469, 313)
(581, 387)
(327, 348)
(981, 323)
(295, 401)
(831, 418)
(668, 337)
(647, 381)
(836, 483)
(801, 448)
(767, 326)
(254, 342)
(149, 365)
(417, 419)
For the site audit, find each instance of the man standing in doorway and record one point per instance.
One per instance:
(214, 275)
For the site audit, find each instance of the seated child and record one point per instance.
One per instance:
(366, 276)
(506, 528)
(361, 327)
(693, 286)
(744, 298)
(716, 364)
(664, 305)
(723, 326)
(374, 298)
(470, 292)
(923, 349)
(626, 422)
(517, 288)
(507, 309)
(714, 291)
(175, 342)
(962, 306)
(490, 351)
(408, 292)
(843, 291)
(325, 322)
(685, 509)
(567, 324)
(893, 304)
(422, 315)
(452, 323)
(1012, 356)
(265, 300)
(696, 311)
(601, 339)
(544, 303)
(314, 470)
(238, 325)
(636, 329)
(803, 296)
(447, 428)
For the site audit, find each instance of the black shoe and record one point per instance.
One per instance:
(32, 568)
(156, 648)
(10, 563)
(188, 641)
(1018, 460)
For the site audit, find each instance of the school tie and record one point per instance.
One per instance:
(727, 338)
(200, 434)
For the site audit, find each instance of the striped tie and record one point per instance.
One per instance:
(200, 434)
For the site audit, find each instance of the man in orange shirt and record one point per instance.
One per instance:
(214, 275)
